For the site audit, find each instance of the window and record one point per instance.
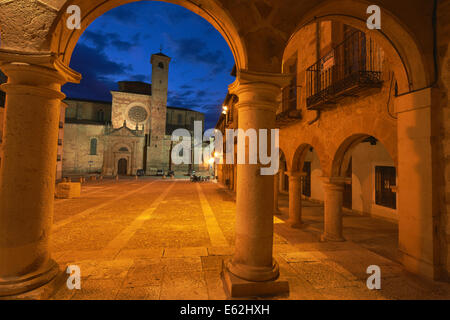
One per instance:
(385, 183)
(180, 119)
(306, 181)
(290, 92)
(123, 149)
(93, 150)
(161, 65)
(101, 115)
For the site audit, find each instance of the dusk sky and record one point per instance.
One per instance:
(118, 45)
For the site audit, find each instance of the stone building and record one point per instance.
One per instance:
(369, 178)
(276, 45)
(130, 133)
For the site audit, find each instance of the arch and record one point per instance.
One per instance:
(299, 157)
(342, 156)
(120, 146)
(282, 160)
(63, 40)
(408, 63)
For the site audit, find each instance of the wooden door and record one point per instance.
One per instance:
(122, 167)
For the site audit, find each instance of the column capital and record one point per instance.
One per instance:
(335, 182)
(296, 174)
(258, 89)
(44, 65)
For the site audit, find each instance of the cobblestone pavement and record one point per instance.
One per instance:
(166, 239)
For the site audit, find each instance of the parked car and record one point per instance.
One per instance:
(160, 172)
(140, 172)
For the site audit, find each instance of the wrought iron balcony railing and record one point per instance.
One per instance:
(354, 64)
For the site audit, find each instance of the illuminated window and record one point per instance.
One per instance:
(385, 183)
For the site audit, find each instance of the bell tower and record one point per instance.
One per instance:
(160, 81)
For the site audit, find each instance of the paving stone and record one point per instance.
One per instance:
(185, 252)
(170, 255)
(184, 286)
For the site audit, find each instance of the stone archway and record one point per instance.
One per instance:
(63, 40)
(407, 58)
(346, 170)
(36, 56)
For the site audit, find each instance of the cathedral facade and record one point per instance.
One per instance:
(129, 134)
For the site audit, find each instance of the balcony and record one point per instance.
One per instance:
(289, 114)
(351, 67)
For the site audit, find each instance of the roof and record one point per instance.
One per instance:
(137, 87)
(184, 109)
(161, 54)
(87, 100)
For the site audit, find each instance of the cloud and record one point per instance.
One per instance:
(89, 60)
(124, 15)
(98, 39)
(208, 102)
(140, 77)
(195, 50)
(97, 70)
(101, 40)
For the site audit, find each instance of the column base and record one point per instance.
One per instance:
(236, 287)
(331, 238)
(294, 224)
(37, 285)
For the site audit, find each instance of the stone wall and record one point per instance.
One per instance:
(122, 103)
(442, 117)
(85, 110)
(317, 192)
(182, 118)
(370, 112)
(364, 159)
(76, 155)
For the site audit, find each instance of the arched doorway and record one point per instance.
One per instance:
(122, 166)
(365, 172)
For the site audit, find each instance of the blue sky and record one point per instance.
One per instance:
(118, 45)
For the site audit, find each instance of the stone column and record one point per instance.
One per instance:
(295, 199)
(27, 173)
(334, 190)
(252, 270)
(276, 187)
(418, 180)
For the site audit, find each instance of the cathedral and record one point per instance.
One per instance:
(130, 134)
